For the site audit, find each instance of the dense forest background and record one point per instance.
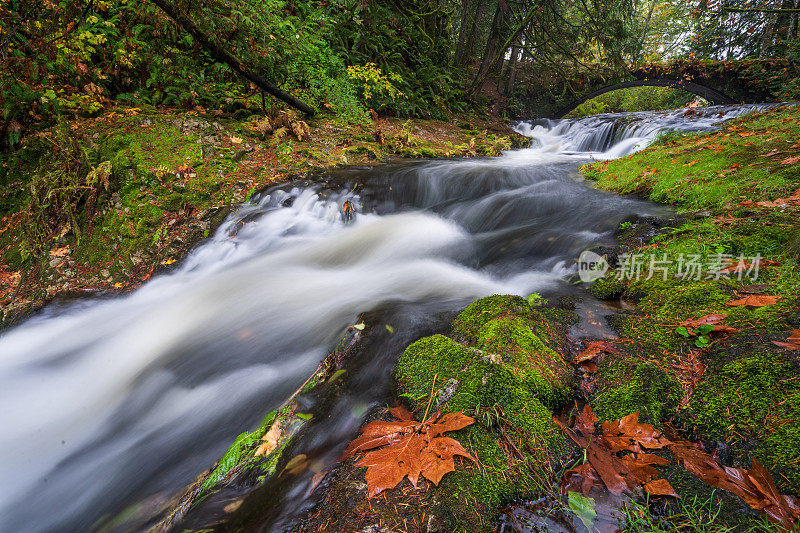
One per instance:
(423, 58)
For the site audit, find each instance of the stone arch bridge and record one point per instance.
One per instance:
(540, 94)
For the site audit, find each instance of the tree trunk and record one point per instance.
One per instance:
(794, 23)
(769, 32)
(463, 31)
(475, 30)
(511, 72)
(645, 29)
(224, 57)
(497, 32)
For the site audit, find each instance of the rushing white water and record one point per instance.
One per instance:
(613, 135)
(110, 402)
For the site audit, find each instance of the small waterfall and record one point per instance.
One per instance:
(613, 135)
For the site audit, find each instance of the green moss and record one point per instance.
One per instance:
(714, 169)
(504, 397)
(432, 356)
(607, 288)
(757, 398)
(467, 325)
(469, 497)
(539, 367)
(481, 385)
(238, 451)
(631, 387)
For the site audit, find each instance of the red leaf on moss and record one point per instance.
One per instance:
(755, 300)
(408, 448)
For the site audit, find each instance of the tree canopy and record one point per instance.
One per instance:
(397, 57)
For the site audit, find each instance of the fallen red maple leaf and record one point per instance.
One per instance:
(689, 370)
(408, 448)
(703, 321)
(755, 486)
(792, 342)
(593, 349)
(617, 473)
(708, 320)
(755, 300)
(659, 487)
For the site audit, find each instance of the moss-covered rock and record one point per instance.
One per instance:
(506, 410)
(630, 386)
(506, 381)
(608, 289)
(468, 324)
(754, 402)
(539, 367)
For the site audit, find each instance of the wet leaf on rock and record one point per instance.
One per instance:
(593, 349)
(659, 487)
(755, 486)
(792, 342)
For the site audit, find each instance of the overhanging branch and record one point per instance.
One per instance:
(224, 57)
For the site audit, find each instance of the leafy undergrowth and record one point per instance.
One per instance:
(709, 344)
(102, 203)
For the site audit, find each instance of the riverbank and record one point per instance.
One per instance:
(99, 205)
(733, 380)
(704, 355)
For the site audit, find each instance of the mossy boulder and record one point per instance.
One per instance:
(608, 289)
(630, 385)
(753, 403)
(467, 325)
(506, 376)
(506, 408)
(542, 370)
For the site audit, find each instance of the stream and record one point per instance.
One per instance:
(118, 403)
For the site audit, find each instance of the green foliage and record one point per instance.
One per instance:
(79, 57)
(379, 90)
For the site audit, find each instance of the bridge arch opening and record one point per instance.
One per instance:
(712, 96)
